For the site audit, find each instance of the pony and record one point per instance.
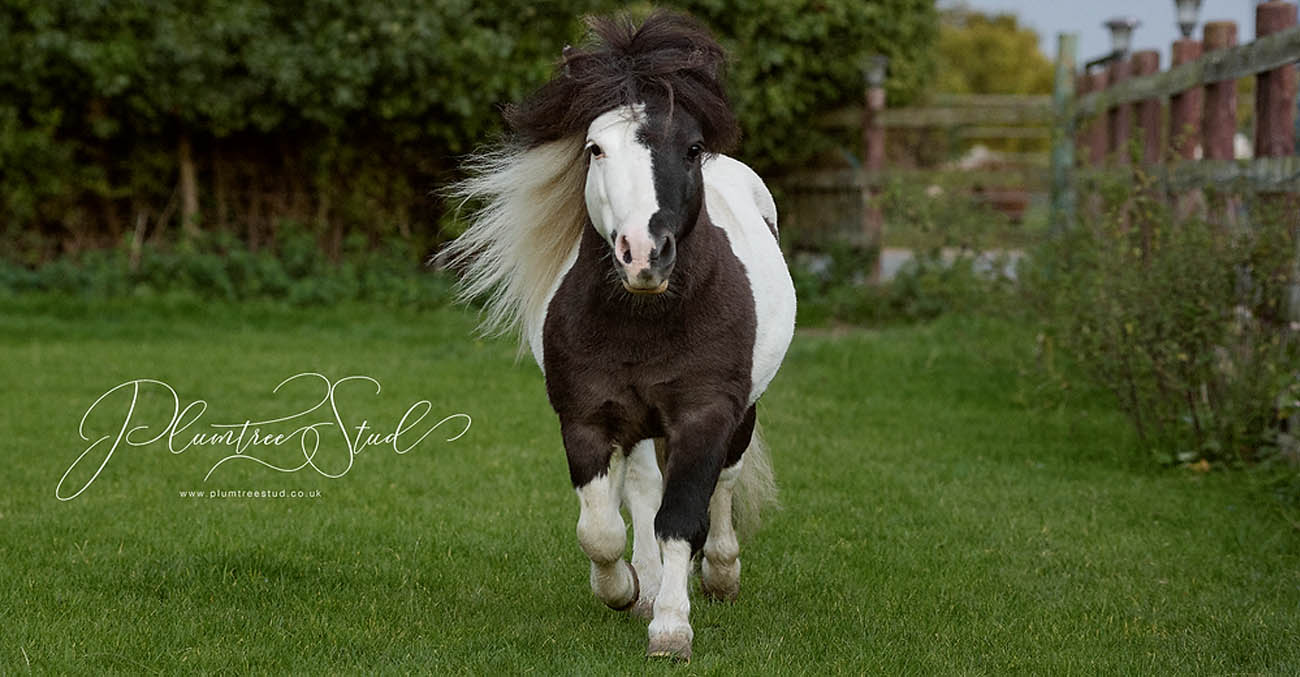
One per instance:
(640, 266)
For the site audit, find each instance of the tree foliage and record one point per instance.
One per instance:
(795, 60)
(346, 116)
(989, 54)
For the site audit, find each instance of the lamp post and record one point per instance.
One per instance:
(877, 67)
(1120, 119)
(1189, 12)
(1121, 40)
(1185, 107)
(873, 148)
(1121, 34)
(873, 133)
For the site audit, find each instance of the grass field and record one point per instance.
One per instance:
(936, 519)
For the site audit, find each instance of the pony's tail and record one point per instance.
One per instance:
(755, 489)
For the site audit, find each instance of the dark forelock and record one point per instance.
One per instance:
(670, 57)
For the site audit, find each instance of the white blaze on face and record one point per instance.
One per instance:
(620, 186)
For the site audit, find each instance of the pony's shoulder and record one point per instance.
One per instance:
(734, 181)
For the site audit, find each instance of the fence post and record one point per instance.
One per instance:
(1185, 107)
(1219, 119)
(1275, 102)
(1063, 133)
(873, 141)
(873, 133)
(1147, 62)
(1120, 118)
(1097, 127)
(1275, 90)
(1082, 86)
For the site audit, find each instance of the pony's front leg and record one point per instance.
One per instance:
(643, 490)
(597, 474)
(697, 447)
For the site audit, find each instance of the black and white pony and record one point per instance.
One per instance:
(642, 267)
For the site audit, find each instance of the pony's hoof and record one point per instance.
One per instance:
(726, 592)
(720, 583)
(636, 591)
(675, 647)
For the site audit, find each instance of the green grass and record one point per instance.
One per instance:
(937, 519)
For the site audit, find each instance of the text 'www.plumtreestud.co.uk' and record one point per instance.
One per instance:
(641, 266)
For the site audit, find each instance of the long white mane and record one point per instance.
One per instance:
(526, 218)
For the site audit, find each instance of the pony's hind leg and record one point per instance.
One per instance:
(643, 489)
(601, 531)
(720, 566)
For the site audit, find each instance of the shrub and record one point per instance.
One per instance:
(1186, 321)
(958, 264)
(221, 267)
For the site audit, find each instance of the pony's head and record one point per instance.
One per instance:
(623, 126)
(643, 190)
(650, 104)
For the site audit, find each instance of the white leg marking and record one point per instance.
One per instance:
(642, 492)
(670, 631)
(602, 535)
(720, 567)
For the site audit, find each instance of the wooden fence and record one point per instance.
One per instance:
(841, 205)
(1102, 112)
(1185, 118)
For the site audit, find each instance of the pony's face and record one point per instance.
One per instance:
(644, 189)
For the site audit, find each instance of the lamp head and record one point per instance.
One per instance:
(1188, 13)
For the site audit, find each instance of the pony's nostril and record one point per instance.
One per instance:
(664, 252)
(624, 250)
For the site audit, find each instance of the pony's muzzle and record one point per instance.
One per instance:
(646, 269)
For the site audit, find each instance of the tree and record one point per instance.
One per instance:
(795, 60)
(343, 116)
(989, 54)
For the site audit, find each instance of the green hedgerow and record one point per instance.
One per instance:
(221, 267)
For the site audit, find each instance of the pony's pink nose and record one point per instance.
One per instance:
(645, 265)
(634, 254)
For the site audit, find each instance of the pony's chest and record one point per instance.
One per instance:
(643, 354)
(618, 358)
(623, 368)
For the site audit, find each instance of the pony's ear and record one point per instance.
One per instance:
(565, 55)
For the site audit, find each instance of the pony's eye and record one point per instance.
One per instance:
(694, 151)
(595, 150)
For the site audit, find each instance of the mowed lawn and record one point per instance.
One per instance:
(937, 518)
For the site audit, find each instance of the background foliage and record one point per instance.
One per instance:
(345, 116)
(958, 263)
(982, 53)
(1184, 319)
